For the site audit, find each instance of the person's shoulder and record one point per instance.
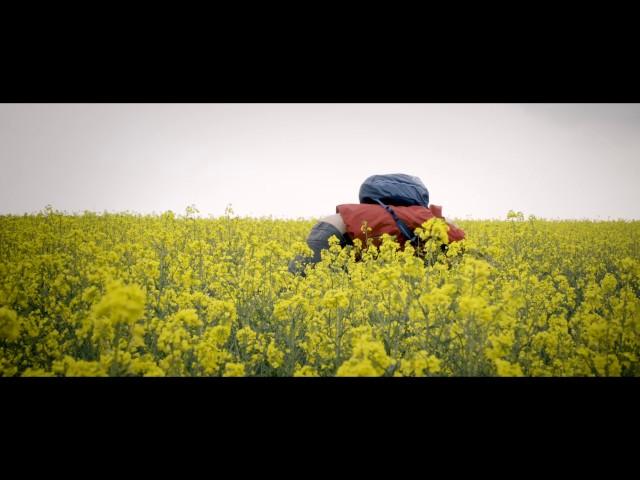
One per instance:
(335, 220)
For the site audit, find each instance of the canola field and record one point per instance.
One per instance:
(177, 295)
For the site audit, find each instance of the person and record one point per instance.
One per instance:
(347, 223)
(318, 240)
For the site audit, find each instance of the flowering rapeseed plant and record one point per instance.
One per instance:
(170, 295)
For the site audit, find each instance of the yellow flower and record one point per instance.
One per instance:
(274, 355)
(234, 370)
(305, 371)
(121, 304)
(167, 294)
(369, 359)
(9, 324)
(507, 369)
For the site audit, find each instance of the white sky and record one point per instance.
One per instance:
(301, 160)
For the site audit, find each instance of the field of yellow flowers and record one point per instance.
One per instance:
(177, 295)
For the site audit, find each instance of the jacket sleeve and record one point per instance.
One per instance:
(455, 233)
(317, 241)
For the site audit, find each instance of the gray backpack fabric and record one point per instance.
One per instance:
(396, 189)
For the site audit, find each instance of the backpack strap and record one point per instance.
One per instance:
(413, 239)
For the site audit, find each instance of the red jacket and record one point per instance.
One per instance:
(381, 221)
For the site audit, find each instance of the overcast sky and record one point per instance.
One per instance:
(301, 160)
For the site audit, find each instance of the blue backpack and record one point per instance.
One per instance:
(396, 189)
